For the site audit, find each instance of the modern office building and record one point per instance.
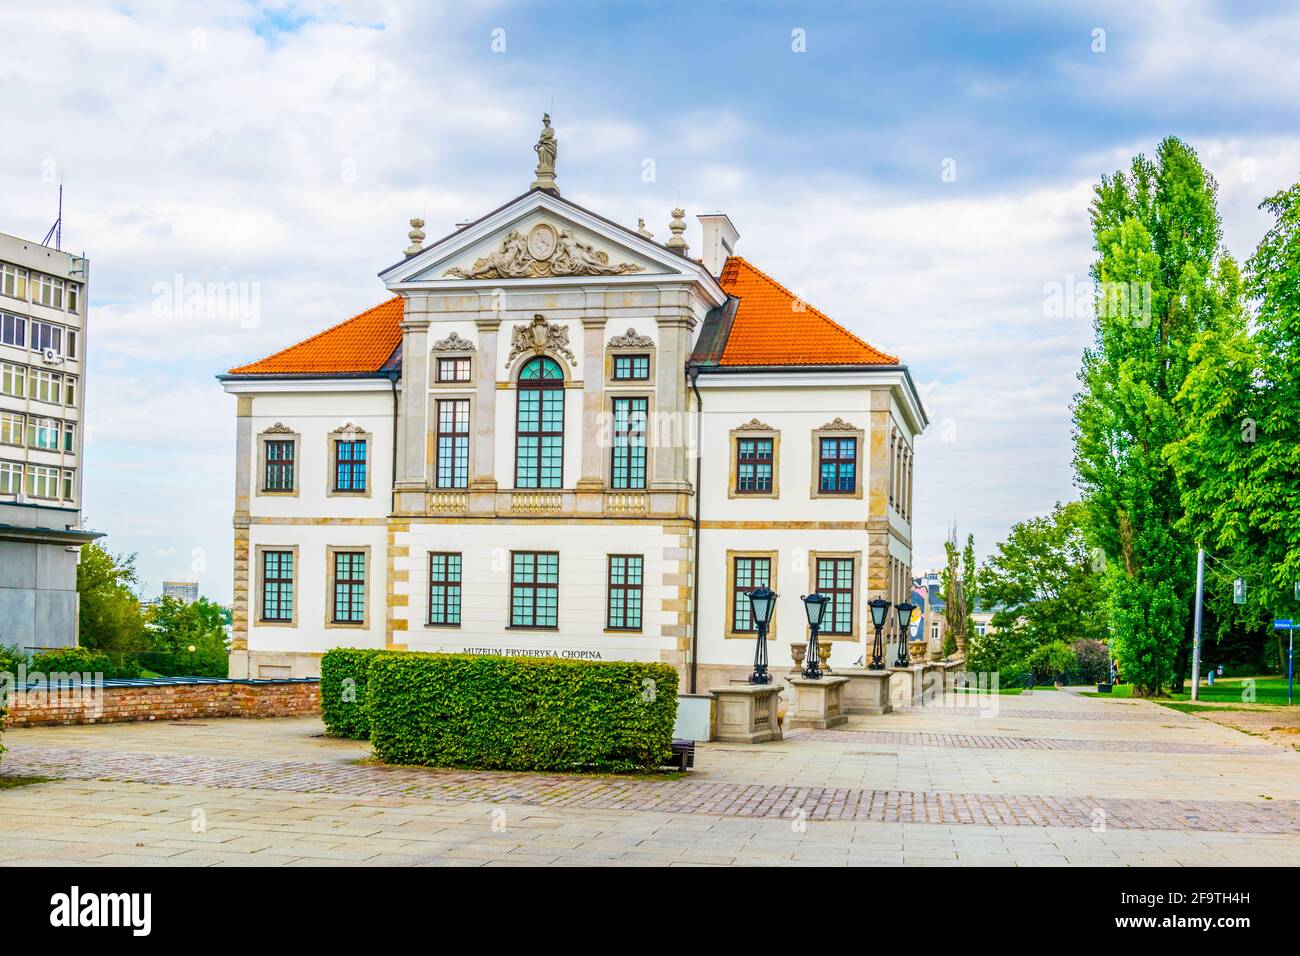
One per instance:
(43, 303)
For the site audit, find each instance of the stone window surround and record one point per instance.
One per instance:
(609, 564)
(837, 429)
(728, 609)
(258, 570)
(435, 356)
(464, 393)
(611, 350)
(330, 551)
(511, 384)
(428, 587)
(344, 433)
(753, 429)
(856, 557)
(278, 432)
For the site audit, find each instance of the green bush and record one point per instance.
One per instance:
(1051, 661)
(82, 660)
(343, 691)
(203, 662)
(1013, 674)
(1094, 662)
(511, 713)
(11, 655)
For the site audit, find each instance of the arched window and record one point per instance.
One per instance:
(539, 425)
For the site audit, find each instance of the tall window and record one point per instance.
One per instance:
(634, 368)
(534, 589)
(453, 370)
(13, 281)
(628, 467)
(11, 428)
(835, 580)
(69, 390)
(838, 467)
(753, 465)
(43, 433)
(46, 336)
(279, 466)
(13, 379)
(74, 297)
(624, 601)
(444, 589)
(349, 587)
(47, 290)
(350, 465)
(13, 330)
(43, 482)
(277, 585)
(453, 443)
(539, 425)
(11, 477)
(750, 573)
(69, 436)
(43, 386)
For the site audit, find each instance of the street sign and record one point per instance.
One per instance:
(1285, 624)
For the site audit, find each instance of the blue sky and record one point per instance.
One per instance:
(286, 145)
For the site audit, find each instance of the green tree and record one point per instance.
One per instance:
(960, 583)
(1162, 279)
(176, 626)
(111, 619)
(1044, 586)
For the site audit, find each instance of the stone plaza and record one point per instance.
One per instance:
(1049, 779)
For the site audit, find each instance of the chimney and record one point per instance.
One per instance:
(720, 238)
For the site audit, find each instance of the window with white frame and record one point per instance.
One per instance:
(43, 433)
(69, 390)
(13, 379)
(43, 386)
(11, 428)
(47, 290)
(69, 436)
(11, 477)
(13, 281)
(46, 335)
(43, 482)
(74, 297)
(13, 330)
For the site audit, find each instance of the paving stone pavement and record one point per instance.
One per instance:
(935, 788)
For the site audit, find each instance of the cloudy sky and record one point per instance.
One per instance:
(920, 172)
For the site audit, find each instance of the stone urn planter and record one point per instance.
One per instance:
(824, 652)
(798, 651)
(916, 651)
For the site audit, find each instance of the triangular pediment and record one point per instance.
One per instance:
(540, 238)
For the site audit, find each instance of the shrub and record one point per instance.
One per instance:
(342, 704)
(1051, 661)
(11, 655)
(82, 660)
(511, 713)
(203, 662)
(1094, 662)
(1013, 674)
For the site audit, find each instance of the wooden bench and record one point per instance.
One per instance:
(683, 757)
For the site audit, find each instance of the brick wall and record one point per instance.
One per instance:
(165, 702)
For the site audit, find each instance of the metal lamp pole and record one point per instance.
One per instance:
(814, 606)
(905, 611)
(879, 611)
(761, 602)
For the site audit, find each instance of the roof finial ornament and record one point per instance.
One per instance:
(416, 235)
(678, 226)
(641, 230)
(546, 149)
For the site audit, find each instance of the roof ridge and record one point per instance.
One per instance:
(820, 314)
(313, 338)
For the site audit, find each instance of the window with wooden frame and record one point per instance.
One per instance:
(278, 464)
(748, 572)
(277, 586)
(834, 577)
(453, 369)
(349, 587)
(350, 465)
(534, 589)
(628, 456)
(623, 601)
(631, 368)
(837, 466)
(444, 589)
(754, 461)
(539, 425)
(451, 467)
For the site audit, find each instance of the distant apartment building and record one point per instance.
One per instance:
(43, 304)
(186, 591)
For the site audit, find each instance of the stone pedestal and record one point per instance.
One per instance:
(747, 713)
(917, 684)
(900, 686)
(818, 704)
(867, 691)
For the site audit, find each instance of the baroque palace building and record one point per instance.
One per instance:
(559, 437)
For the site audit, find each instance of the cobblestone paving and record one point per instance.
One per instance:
(993, 742)
(1125, 712)
(670, 796)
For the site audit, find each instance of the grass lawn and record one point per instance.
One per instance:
(8, 782)
(1001, 690)
(1269, 689)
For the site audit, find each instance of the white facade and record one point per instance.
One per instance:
(476, 499)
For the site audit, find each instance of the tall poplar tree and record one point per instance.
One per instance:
(1159, 273)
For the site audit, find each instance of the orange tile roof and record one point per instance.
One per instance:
(773, 326)
(360, 344)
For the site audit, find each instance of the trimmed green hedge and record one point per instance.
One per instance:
(342, 705)
(204, 663)
(518, 713)
(82, 660)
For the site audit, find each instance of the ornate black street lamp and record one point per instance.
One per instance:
(879, 611)
(814, 606)
(904, 622)
(761, 602)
